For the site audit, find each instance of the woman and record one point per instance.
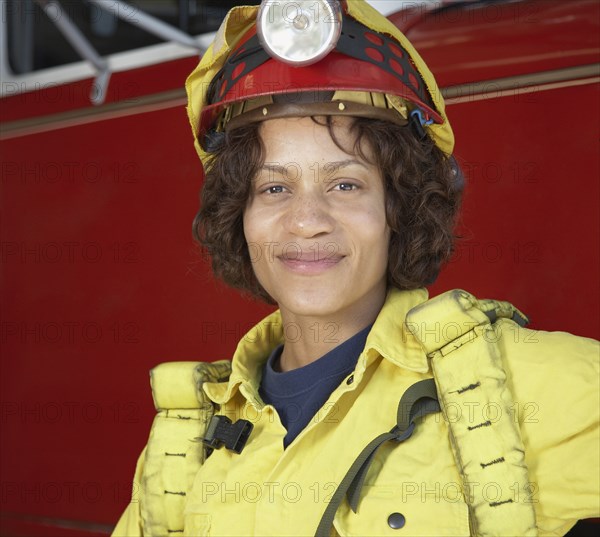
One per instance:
(330, 190)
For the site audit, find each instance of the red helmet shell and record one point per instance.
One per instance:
(336, 71)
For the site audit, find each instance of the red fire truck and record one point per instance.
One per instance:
(101, 280)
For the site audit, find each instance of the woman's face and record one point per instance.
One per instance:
(315, 221)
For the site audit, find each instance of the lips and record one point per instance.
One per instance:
(311, 257)
(310, 263)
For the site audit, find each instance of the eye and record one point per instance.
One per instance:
(346, 187)
(273, 189)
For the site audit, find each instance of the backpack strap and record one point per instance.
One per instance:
(457, 333)
(174, 452)
(418, 400)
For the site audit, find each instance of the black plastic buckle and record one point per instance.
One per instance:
(221, 432)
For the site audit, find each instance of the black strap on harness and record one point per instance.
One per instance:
(419, 400)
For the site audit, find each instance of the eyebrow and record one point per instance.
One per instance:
(329, 167)
(335, 166)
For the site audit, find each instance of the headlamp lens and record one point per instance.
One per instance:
(299, 33)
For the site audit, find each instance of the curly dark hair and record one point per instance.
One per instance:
(422, 193)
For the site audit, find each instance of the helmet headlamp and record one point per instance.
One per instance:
(299, 33)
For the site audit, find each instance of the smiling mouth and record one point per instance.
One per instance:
(308, 264)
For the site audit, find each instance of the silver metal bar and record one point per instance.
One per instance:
(147, 22)
(80, 43)
(21, 39)
(521, 81)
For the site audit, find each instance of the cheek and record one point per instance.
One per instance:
(374, 223)
(250, 236)
(378, 235)
(246, 226)
(256, 239)
(250, 224)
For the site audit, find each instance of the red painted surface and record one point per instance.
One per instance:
(494, 40)
(124, 87)
(530, 219)
(101, 281)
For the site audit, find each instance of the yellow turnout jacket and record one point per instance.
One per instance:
(547, 390)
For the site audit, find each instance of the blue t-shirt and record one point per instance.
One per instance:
(297, 395)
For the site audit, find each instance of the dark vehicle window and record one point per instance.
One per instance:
(35, 41)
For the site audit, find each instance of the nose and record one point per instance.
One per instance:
(308, 216)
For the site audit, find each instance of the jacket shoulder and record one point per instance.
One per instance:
(179, 384)
(553, 377)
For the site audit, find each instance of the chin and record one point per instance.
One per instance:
(309, 302)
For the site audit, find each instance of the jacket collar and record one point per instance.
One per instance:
(391, 338)
(388, 338)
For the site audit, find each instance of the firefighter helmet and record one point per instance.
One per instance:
(305, 58)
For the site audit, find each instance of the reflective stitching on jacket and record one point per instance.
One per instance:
(469, 387)
(496, 504)
(495, 461)
(486, 423)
